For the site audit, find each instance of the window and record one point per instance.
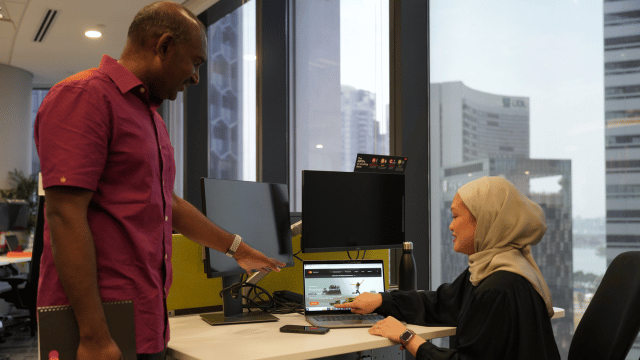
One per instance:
(231, 90)
(37, 96)
(341, 106)
(535, 80)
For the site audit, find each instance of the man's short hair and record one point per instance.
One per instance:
(154, 20)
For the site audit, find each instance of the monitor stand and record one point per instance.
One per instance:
(232, 307)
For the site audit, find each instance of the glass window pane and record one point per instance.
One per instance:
(341, 105)
(37, 96)
(520, 90)
(232, 95)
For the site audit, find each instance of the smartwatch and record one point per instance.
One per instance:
(406, 336)
(234, 246)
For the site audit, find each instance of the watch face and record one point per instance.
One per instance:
(407, 335)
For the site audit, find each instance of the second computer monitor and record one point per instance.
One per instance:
(351, 211)
(259, 212)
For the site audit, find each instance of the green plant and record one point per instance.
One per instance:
(23, 188)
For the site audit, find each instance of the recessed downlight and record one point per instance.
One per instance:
(94, 34)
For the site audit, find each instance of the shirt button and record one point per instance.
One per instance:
(142, 90)
(166, 218)
(165, 256)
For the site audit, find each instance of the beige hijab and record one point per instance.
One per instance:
(508, 223)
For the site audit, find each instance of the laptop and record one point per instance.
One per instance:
(331, 282)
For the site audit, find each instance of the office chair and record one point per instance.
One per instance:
(611, 322)
(26, 297)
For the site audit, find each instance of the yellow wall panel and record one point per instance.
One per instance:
(191, 288)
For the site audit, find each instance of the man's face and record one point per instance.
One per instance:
(463, 227)
(183, 63)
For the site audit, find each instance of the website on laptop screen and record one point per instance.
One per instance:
(329, 284)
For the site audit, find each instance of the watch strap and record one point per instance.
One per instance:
(234, 246)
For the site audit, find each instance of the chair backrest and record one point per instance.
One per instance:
(611, 322)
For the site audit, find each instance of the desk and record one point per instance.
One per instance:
(5, 260)
(194, 339)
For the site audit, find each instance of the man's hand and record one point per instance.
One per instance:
(251, 259)
(103, 350)
(363, 304)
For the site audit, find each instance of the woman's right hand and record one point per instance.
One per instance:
(365, 303)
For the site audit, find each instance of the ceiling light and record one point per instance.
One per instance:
(93, 34)
(319, 146)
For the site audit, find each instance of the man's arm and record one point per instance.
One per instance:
(75, 260)
(192, 223)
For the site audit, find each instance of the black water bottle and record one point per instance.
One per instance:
(407, 275)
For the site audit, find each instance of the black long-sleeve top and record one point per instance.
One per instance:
(503, 318)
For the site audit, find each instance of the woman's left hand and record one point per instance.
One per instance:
(390, 328)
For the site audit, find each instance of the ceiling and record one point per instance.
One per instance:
(64, 50)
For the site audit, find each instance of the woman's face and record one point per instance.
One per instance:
(463, 227)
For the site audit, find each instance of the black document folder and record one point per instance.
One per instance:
(58, 330)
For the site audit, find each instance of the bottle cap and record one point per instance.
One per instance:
(407, 245)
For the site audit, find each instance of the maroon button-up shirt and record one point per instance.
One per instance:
(97, 130)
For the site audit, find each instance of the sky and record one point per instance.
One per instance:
(548, 50)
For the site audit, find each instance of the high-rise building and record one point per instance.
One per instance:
(360, 130)
(475, 134)
(478, 125)
(622, 128)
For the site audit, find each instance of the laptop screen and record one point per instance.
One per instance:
(327, 283)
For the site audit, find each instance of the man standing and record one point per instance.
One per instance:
(108, 173)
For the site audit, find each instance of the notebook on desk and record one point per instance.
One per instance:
(331, 282)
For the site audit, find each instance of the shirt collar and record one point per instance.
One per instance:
(124, 79)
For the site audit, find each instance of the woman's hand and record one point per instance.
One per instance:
(390, 328)
(364, 303)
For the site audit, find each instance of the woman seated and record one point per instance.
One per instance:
(500, 304)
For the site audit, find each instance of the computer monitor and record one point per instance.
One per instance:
(14, 215)
(344, 211)
(257, 211)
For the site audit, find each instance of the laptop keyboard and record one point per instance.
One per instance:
(366, 317)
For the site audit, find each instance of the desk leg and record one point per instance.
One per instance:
(452, 342)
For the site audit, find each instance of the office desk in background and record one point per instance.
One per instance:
(194, 339)
(5, 260)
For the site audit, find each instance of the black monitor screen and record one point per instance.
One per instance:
(14, 215)
(351, 211)
(258, 212)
